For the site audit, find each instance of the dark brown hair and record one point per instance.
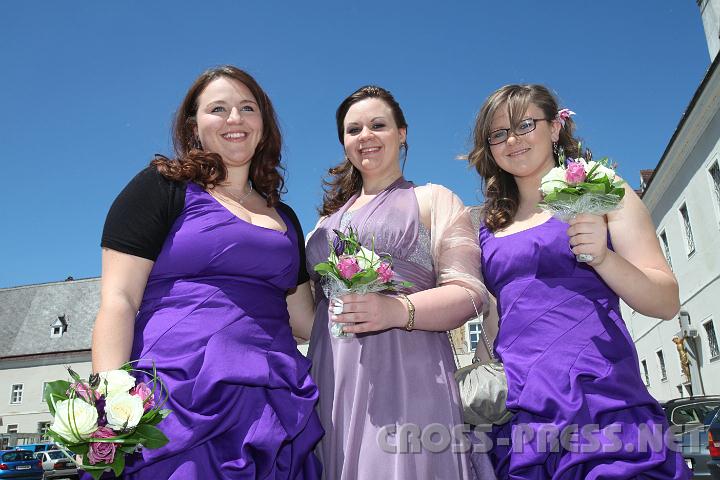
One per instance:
(499, 187)
(192, 163)
(344, 180)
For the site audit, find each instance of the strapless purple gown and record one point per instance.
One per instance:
(569, 361)
(214, 320)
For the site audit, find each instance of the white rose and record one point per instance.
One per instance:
(367, 259)
(123, 411)
(75, 419)
(601, 170)
(115, 381)
(555, 178)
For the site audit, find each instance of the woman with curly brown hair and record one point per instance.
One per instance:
(580, 407)
(388, 389)
(201, 263)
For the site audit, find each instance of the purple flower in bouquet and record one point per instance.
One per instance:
(84, 391)
(385, 272)
(102, 451)
(145, 393)
(100, 407)
(348, 266)
(338, 246)
(575, 173)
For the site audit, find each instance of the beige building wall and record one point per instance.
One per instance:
(32, 410)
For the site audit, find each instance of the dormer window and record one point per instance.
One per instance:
(59, 327)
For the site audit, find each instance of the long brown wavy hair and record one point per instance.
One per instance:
(344, 180)
(192, 163)
(502, 197)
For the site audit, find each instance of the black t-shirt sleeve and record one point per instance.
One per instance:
(303, 275)
(142, 215)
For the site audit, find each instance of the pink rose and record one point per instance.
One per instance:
(102, 451)
(574, 173)
(145, 393)
(385, 272)
(348, 267)
(83, 391)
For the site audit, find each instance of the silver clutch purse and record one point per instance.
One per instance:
(483, 387)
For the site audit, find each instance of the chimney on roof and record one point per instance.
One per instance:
(645, 176)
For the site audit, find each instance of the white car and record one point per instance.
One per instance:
(58, 465)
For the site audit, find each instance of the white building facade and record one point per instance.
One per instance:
(45, 328)
(683, 197)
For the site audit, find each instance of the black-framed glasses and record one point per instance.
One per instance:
(525, 126)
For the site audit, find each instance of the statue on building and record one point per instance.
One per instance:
(682, 353)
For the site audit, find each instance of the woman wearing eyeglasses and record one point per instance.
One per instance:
(571, 365)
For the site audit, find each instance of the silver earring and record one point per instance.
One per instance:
(403, 150)
(556, 149)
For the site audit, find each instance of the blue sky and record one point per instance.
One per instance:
(89, 90)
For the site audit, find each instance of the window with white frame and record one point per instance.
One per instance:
(712, 338)
(44, 389)
(42, 428)
(689, 239)
(474, 334)
(646, 375)
(665, 247)
(661, 364)
(12, 428)
(16, 393)
(714, 172)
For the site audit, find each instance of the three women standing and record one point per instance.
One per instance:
(202, 263)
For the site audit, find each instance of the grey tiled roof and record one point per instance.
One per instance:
(26, 314)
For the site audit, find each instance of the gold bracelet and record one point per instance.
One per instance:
(411, 312)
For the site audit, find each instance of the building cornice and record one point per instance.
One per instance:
(41, 359)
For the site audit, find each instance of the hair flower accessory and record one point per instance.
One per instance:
(563, 115)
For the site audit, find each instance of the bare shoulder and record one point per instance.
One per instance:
(631, 207)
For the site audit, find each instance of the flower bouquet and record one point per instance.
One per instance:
(579, 186)
(106, 417)
(352, 268)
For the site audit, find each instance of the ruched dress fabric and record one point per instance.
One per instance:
(570, 363)
(393, 378)
(214, 321)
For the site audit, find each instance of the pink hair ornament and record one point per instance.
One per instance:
(563, 115)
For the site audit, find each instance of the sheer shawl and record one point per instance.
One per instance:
(454, 244)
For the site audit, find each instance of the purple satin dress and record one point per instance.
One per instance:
(214, 320)
(570, 362)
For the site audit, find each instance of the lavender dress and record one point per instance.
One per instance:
(215, 321)
(390, 378)
(569, 361)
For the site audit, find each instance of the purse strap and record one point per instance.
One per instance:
(485, 342)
